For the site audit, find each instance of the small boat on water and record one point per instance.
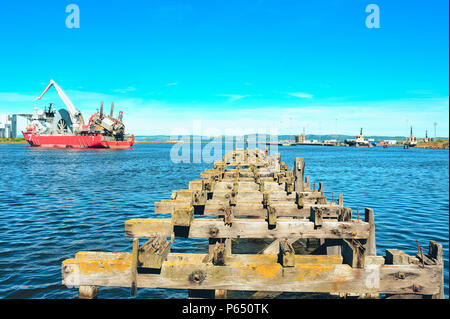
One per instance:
(411, 142)
(359, 141)
(65, 128)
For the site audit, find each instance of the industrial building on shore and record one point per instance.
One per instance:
(11, 125)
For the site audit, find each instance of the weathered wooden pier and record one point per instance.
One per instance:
(251, 195)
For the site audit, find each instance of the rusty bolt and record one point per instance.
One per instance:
(197, 277)
(400, 275)
(416, 288)
(213, 231)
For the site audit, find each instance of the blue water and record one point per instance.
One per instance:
(54, 203)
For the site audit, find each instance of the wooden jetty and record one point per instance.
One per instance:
(251, 195)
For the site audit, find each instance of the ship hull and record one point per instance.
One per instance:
(75, 141)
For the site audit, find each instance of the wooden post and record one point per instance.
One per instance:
(226, 242)
(218, 255)
(396, 257)
(340, 200)
(345, 214)
(300, 200)
(299, 172)
(183, 216)
(134, 264)
(286, 256)
(435, 252)
(153, 253)
(306, 184)
(371, 245)
(272, 216)
(87, 292)
(316, 216)
(353, 253)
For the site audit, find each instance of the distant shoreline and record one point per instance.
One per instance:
(12, 140)
(429, 145)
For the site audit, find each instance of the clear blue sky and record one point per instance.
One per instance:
(235, 64)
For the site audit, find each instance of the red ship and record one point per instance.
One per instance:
(65, 128)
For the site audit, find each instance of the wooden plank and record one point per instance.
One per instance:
(250, 228)
(247, 186)
(167, 206)
(272, 186)
(186, 271)
(284, 209)
(253, 196)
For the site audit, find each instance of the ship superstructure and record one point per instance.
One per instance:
(359, 141)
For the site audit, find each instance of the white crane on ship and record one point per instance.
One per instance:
(75, 115)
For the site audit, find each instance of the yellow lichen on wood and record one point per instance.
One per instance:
(104, 265)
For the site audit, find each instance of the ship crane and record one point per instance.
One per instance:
(75, 115)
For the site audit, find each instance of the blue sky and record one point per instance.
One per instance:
(249, 65)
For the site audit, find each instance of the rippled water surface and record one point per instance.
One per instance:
(54, 203)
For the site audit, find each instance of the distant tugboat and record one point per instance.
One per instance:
(359, 141)
(411, 142)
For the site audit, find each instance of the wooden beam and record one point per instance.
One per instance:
(258, 273)
(249, 228)
(284, 209)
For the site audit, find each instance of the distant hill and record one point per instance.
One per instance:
(338, 137)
